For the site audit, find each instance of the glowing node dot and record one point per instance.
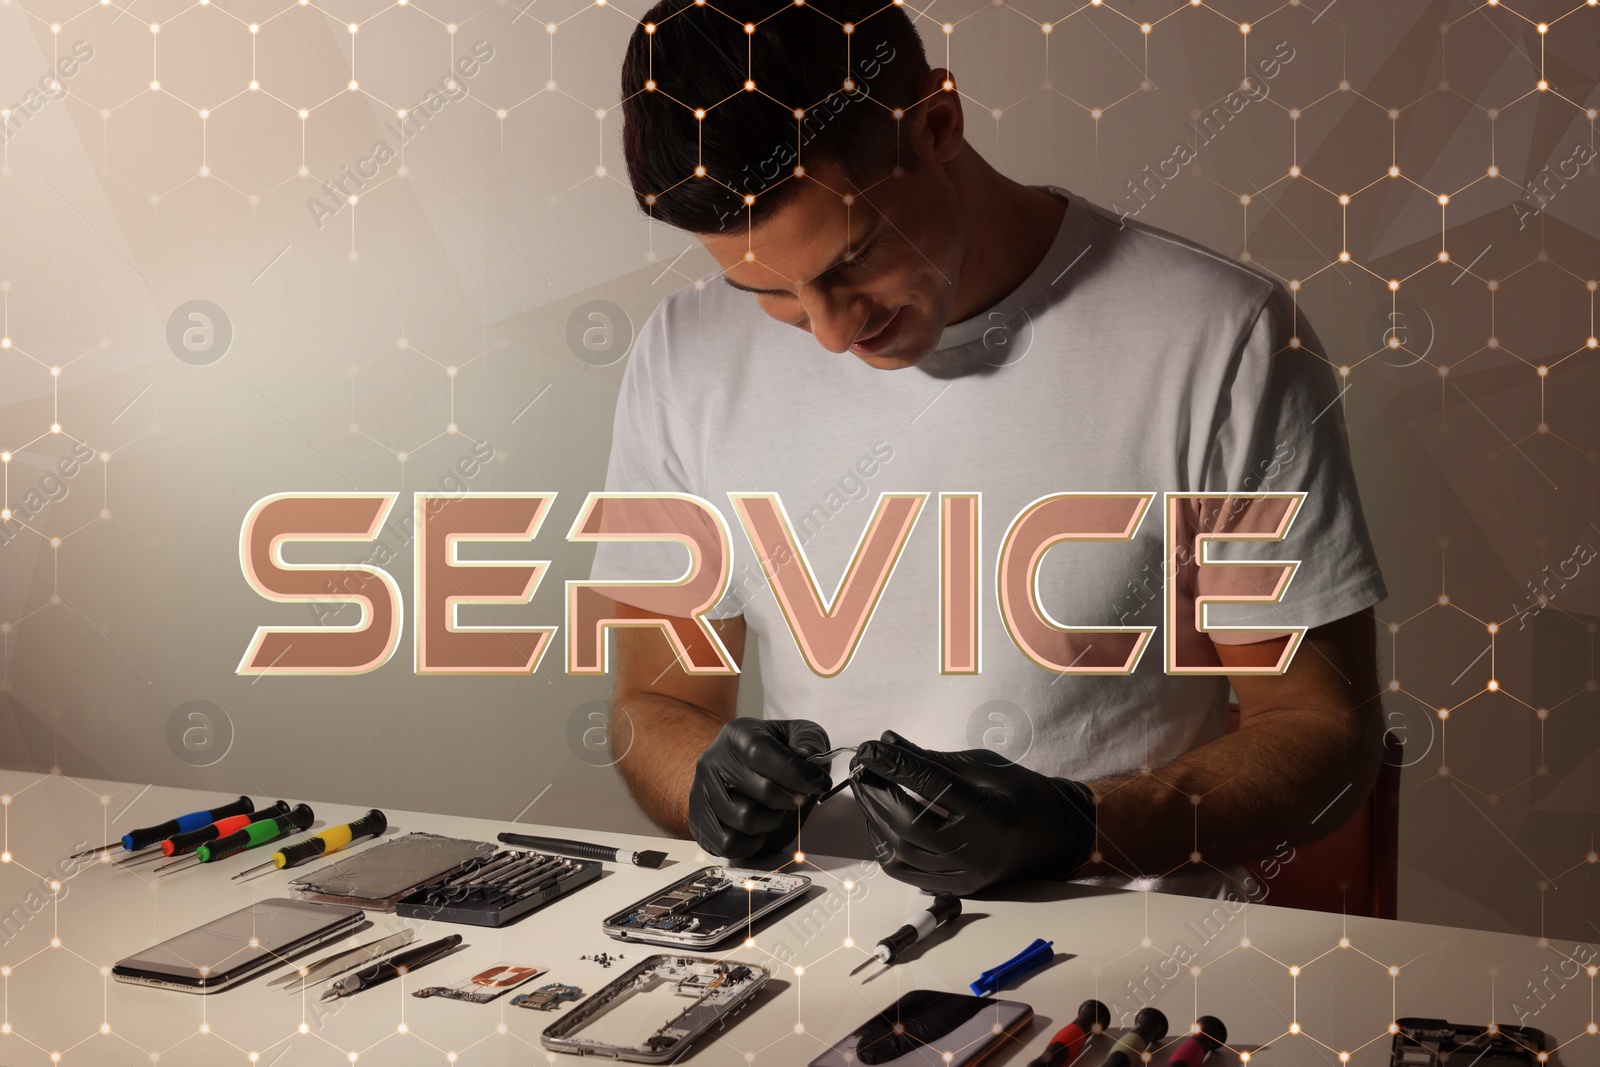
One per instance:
(849, 885)
(700, 170)
(1294, 972)
(1344, 942)
(304, 1028)
(1145, 27)
(1294, 1028)
(1344, 257)
(948, 28)
(799, 1028)
(1294, 285)
(1494, 171)
(749, 27)
(1394, 172)
(1244, 198)
(1394, 285)
(1294, 171)
(1544, 713)
(1444, 598)
(749, 85)
(205, 1028)
(1444, 713)
(1394, 972)
(1543, 85)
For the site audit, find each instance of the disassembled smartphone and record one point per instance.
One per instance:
(930, 1028)
(1429, 1042)
(700, 910)
(624, 1020)
(237, 946)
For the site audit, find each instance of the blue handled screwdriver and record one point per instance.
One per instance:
(145, 836)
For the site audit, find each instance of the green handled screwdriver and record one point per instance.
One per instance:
(332, 839)
(257, 833)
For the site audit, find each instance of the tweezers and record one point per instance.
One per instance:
(828, 756)
(340, 962)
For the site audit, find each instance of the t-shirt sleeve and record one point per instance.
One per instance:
(1283, 430)
(652, 451)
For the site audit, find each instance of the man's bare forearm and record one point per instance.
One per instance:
(1289, 775)
(660, 739)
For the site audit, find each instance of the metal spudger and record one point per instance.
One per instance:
(828, 756)
(340, 962)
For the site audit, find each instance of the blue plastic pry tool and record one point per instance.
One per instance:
(1031, 958)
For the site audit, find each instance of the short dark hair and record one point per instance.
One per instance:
(844, 64)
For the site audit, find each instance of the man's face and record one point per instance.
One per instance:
(872, 273)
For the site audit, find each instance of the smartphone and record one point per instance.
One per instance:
(1425, 1042)
(703, 909)
(237, 946)
(930, 1028)
(654, 1012)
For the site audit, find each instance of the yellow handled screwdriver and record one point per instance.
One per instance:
(332, 839)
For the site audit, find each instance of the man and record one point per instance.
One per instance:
(894, 315)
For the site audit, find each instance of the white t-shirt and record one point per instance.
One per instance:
(1129, 360)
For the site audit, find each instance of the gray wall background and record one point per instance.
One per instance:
(1477, 473)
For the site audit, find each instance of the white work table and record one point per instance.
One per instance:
(1265, 971)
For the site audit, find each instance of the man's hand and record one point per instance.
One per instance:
(1003, 822)
(753, 787)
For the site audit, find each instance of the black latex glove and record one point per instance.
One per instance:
(1003, 822)
(753, 787)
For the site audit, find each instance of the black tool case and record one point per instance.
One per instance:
(454, 899)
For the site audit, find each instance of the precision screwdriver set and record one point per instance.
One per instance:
(499, 888)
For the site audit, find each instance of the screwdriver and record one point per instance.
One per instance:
(945, 906)
(183, 844)
(393, 967)
(332, 839)
(257, 833)
(145, 836)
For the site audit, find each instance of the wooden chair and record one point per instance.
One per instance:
(1355, 869)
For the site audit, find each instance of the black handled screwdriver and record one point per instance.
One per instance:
(393, 967)
(945, 906)
(332, 839)
(257, 833)
(145, 836)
